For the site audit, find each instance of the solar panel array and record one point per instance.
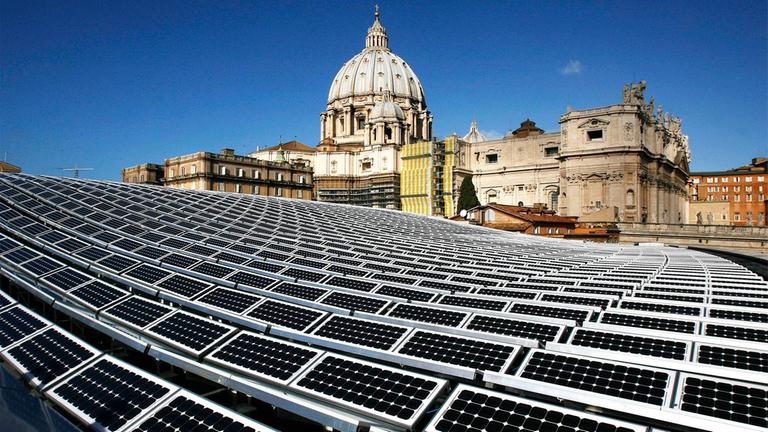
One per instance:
(350, 316)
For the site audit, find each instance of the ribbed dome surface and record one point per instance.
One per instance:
(374, 71)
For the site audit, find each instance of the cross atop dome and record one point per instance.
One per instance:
(377, 34)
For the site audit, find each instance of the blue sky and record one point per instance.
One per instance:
(113, 84)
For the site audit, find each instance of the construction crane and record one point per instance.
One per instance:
(77, 170)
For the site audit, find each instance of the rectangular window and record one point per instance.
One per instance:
(696, 181)
(491, 158)
(171, 173)
(240, 172)
(749, 197)
(760, 178)
(142, 178)
(223, 170)
(737, 188)
(300, 194)
(595, 135)
(366, 166)
(737, 216)
(736, 179)
(279, 178)
(725, 197)
(709, 179)
(279, 192)
(193, 169)
(737, 198)
(133, 179)
(256, 174)
(182, 171)
(550, 151)
(255, 189)
(238, 188)
(302, 179)
(725, 188)
(761, 197)
(220, 186)
(748, 189)
(724, 179)
(748, 179)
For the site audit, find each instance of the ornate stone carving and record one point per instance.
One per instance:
(629, 130)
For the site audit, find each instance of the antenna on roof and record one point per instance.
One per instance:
(77, 170)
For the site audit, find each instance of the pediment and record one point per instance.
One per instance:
(594, 123)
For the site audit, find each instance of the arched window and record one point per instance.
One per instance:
(630, 198)
(490, 215)
(553, 200)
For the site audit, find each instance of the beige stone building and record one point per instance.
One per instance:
(145, 173)
(227, 172)
(629, 158)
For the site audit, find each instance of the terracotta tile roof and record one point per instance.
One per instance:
(531, 215)
(292, 146)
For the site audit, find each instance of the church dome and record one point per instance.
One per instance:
(376, 69)
(386, 110)
(474, 135)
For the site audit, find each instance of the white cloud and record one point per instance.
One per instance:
(492, 134)
(574, 67)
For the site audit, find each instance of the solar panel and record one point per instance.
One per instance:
(473, 302)
(736, 332)
(739, 358)
(625, 381)
(185, 411)
(475, 409)
(188, 332)
(427, 314)
(263, 357)
(41, 266)
(734, 401)
(354, 302)
(628, 343)
(361, 332)
(136, 312)
(213, 270)
(284, 314)
(48, 355)
(550, 311)
(410, 294)
(353, 284)
(183, 286)
(299, 291)
(649, 322)
(109, 394)
(97, 295)
(17, 323)
(229, 299)
(460, 351)
(391, 394)
(148, 273)
(117, 263)
(514, 327)
(250, 279)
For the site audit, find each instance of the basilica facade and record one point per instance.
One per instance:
(625, 161)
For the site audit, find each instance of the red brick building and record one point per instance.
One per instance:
(733, 197)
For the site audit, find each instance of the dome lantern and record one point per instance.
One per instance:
(377, 34)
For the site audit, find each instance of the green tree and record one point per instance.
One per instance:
(467, 195)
